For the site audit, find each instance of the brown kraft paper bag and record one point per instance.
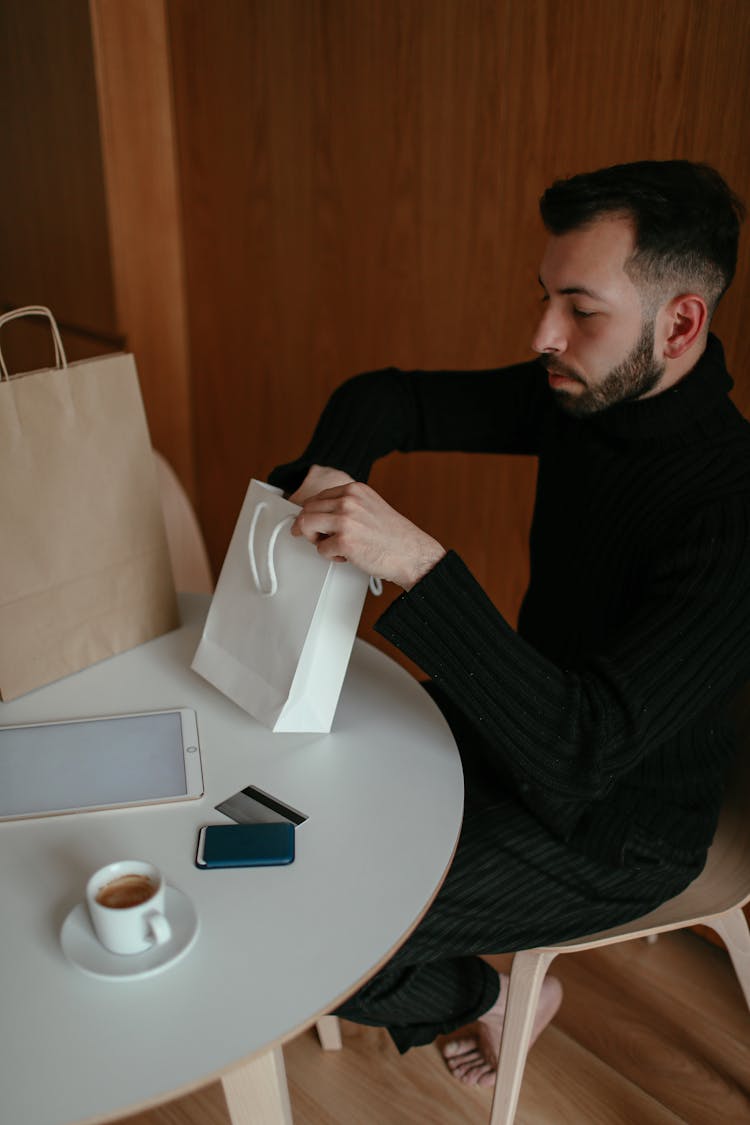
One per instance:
(84, 563)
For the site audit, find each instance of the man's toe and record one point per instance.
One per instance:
(457, 1047)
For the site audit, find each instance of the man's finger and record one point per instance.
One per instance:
(331, 493)
(313, 525)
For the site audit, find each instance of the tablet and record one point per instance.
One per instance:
(100, 763)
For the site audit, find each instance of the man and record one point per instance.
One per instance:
(593, 740)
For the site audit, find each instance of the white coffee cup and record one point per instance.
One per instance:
(126, 904)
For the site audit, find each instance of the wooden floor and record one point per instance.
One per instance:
(647, 1035)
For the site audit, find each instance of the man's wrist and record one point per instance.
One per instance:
(428, 558)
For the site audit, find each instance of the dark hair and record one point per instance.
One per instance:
(687, 220)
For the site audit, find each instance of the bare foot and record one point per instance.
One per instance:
(472, 1054)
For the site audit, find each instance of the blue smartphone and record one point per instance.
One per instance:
(245, 845)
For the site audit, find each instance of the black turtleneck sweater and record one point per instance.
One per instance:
(606, 707)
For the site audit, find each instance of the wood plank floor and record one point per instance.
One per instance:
(647, 1035)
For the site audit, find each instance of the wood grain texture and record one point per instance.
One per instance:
(647, 1034)
(104, 253)
(54, 248)
(356, 224)
(27, 344)
(258, 1091)
(359, 187)
(651, 1024)
(134, 85)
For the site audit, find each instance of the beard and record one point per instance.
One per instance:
(638, 374)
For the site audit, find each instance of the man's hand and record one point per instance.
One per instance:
(318, 478)
(352, 523)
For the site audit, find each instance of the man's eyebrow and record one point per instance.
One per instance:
(575, 289)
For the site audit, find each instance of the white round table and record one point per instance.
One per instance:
(277, 947)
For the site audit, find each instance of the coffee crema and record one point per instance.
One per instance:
(126, 891)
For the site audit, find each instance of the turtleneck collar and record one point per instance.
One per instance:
(693, 400)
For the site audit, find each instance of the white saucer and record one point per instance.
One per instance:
(82, 948)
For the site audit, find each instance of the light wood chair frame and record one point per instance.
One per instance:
(714, 899)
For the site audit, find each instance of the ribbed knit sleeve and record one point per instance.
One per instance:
(379, 412)
(567, 736)
(605, 707)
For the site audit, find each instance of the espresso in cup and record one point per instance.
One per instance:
(127, 902)
(126, 891)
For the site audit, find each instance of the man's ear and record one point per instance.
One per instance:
(686, 317)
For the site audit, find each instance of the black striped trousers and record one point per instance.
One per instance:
(512, 885)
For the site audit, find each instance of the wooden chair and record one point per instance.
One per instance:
(187, 549)
(715, 899)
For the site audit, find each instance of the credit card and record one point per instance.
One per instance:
(252, 806)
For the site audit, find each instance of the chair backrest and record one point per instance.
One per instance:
(724, 882)
(187, 550)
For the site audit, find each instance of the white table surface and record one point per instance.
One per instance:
(277, 946)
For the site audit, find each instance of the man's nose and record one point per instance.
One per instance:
(549, 335)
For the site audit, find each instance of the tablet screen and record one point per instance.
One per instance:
(95, 763)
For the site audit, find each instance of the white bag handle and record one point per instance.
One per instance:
(34, 310)
(376, 585)
(274, 585)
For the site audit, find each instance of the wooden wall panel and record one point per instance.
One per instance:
(89, 215)
(359, 185)
(364, 228)
(54, 247)
(138, 157)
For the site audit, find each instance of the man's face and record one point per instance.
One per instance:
(593, 338)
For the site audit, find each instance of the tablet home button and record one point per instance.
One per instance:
(190, 749)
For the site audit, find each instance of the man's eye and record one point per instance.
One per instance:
(583, 314)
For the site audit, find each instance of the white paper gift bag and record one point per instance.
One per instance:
(282, 622)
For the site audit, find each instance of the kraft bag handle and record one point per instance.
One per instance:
(376, 585)
(34, 310)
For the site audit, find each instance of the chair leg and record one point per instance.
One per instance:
(733, 929)
(329, 1033)
(526, 979)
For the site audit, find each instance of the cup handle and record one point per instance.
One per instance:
(159, 927)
